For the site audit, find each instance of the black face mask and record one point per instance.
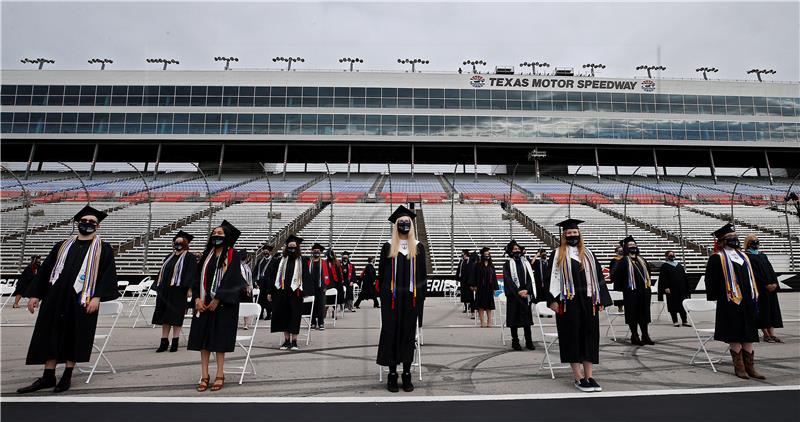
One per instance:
(732, 242)
(671, 258)
(177, 246)
(316, 254)
(573, 240)
(754, 245)
(86, 228)
(291, 250)
(217, 240)
(486, 257)
(345, 259)
(633, 251)
(404, 227)
(516, 254)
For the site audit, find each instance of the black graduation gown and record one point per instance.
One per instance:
(486, 284)
(368, 283)
(261, 274)
(769, 310)
(673, 278)
(63, 330)
(24, 281)
(349, 277)
(579, 325)
(734, 323)
(287, 305)
(541, 267)
(463, 272)
(637, 301)
(399, 317)
(171, 302)
(518, 310)
(216, 331)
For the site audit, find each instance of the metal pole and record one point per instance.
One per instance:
(94, 161)
(158, 161)
(475, 158)
(510, 203)
(30, 160)
(208, 194)
(285, 159)
(452, 222)
(26, 203)
(597, 163)
(269, 186)
(769, 168)
(713, 167)
(80, 179)
(680, 220)
(788, 227)
(149, 219)
(571, 185)
(412, 162)
(349, 146)
(221, 161)
(330, 189)
(733, 193)
(655, 165)
(625, 205)
(391, 199)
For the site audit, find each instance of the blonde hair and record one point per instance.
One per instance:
(563, 256)
(395, 241)
(750, 237)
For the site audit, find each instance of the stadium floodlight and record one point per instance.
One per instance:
(705, 70)
(288, 60)
(40, 61)
(413, 63)
(593, 66)
(473, 63)
(164, 61)
(537, 155)
(351, 60)
(649, 68)
(533, 65)
(227, 61)
(760, 72)
(102, 62)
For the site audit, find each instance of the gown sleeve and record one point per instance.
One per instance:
(713, 277)
(422, 273)
(190, 272)
(41, 282)
(509, 288)
(106, 284)
(663, 279)
(619, 275)
(383, 264)
(309, 286)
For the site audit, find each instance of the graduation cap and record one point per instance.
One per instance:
(293, 238)
(485, 249)
(624, 242)
(569, 223)
(231, 232)
(87, 210)
(722, 231)
(346, 253)
(511, 245)
(465, 251)
(318, 246)
(269, 248)
(243, 254)
(184, 235)
(402, 211)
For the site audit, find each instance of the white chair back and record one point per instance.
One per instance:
(615, 295)
(247, 309)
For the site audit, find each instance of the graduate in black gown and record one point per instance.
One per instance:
(731, 283)
(368, 280)
(173, 288)
(673, 282)
(217, 293)
(463, 273)
(520, 290)
(485, 284)
(290, 282)
(76, 276)
(322, 276)
(348, 280)
(260, 275)
(618, 255)
(769, 310)
(541, 266)
(631, 276)
(577, 293)
(25, 279)
(402, 276)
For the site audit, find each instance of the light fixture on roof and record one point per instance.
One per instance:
(760, 72)
(593, 66)
(533, 65)
(102, 62)
(288, 60)
(473, 63)
(40, 61)
(227, 61)
(413, 63)
(165, 62)
(649, 68)
(706, 70)
(351, 60)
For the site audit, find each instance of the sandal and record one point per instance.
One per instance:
(217, 387)
(202, 385)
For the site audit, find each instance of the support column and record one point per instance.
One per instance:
(713, 167)
(285, 158)
(158, 161)
(94, 160)
(412, 162)
(475, 158)
(769, 168)
(349, 157)
(221, 161)
(596, 164)
(655, 165)
(33, 150)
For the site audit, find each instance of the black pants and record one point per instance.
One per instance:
(526, 330)
(675, 316)
(642, 326)
(375, 301)
(318, 316)
(406, 368)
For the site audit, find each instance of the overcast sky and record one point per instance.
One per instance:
(732, 36)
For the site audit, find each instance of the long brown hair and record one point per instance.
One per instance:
(562, 250)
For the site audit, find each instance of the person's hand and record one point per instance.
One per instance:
(554, 306)
(33, 303)
(667, 291)
(523, 293)
(600, 308)
(772, 287)
(269, 298)
(213, 305)
(199, 306)
(189, 294)
(473, 288)
(93, 305)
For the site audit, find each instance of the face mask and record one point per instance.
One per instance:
(404, 227)
(573, 240)
(486, 257)
(291, 250)
(754, 245)
(316, 254)
(516, 254)
(345, 259)
(633, 251)
(178, 246)
(217, 240)
(670, 258)
(85, 228)
(732, 242)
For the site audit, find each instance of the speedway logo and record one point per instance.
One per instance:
(477, 81)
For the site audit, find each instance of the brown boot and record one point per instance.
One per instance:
(738, 365)
(748, 359)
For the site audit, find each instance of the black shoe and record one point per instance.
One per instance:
(313, 326)
(583, 385)
(464, 311)
(686, 324)
(636, 341)
(391, 383)
(376, 306)
(529, 345)
(63, 384)
(39, 384)
(174, 347)
(594, 384)
(163, 346)
(286, 345)
(322, 327)
(293, 346)
(407, 385)
(647, 341)
(515, 344)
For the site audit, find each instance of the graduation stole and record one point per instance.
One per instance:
(262, 267)
(177, 272)
(527, 266)
(326, 278)
(86, 280)
(218, 273)
(732, 286)
(296, 277)
(562, 279)
(349, 270)
(412, 279)
(645, 275)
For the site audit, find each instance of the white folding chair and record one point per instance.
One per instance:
(121, 285)
(701, 314)
(542, 311)
(246, 342)
(109, 309)
(133, 291)
(143, 305)
(500, 312)
(335, 294)
(356, 290)
(256, 294)
(612, 315)
(305, 319)
(6, 289)
(417, 362)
